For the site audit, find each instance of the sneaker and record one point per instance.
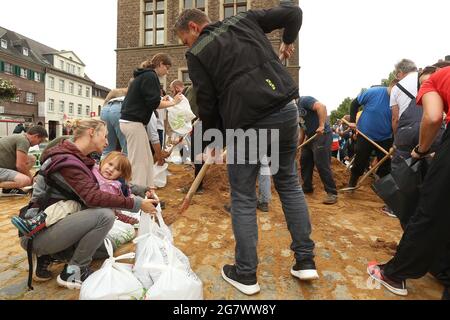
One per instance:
(246, 284)
(388, 211)
(375, 271)
(13, 193)
(263, 206)
(305, 270)
(40, 268)
(185, 189)
(73, 276)
(30, 227)
(330, 199)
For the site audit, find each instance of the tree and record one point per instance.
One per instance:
(341, 111)
(386, 82)
(8, 90)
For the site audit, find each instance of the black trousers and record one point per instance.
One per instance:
(425, 245)
(318, 153)
(197, 133)
(363, 151)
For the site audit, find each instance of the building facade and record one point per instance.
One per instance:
(68, 92)
(99, 94)
(54, 85)
(26, 71)
(144, 28)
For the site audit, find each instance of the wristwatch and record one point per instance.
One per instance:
(416, 150)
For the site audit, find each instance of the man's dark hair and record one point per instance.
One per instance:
(39, 130)
(194, 15)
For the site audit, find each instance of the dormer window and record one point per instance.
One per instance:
(25, 51)
(4, 44)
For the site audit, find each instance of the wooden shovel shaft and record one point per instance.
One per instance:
(195, 185)
(375, 167)
(367, 138)
(306, 142)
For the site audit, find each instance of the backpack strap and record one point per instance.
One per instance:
(30, 263)
(409, 94)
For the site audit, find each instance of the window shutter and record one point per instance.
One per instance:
(42, 77)
(17, 71)
(2, 66)
(30, 75)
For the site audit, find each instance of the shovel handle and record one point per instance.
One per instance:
(196, 184)
(367, 138)
(306, 142)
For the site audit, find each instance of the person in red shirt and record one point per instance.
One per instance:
(425, 245)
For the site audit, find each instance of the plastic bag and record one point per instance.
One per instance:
(151, 247)
(180, 117)
(176, 280)
(113, 281)
(160, 175)
(121, 233)
(400, 190)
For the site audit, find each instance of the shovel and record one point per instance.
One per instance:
(195, 185)
(375, 167)
(306, 142)
(367, 138)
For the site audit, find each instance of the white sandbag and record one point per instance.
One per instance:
(175, 156)
(176, 280)
(113, 281)
(180, 117)
(151, 247)
(160, 175)
(121, 233)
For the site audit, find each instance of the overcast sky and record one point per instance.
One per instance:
(345, 45)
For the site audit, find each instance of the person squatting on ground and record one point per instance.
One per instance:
(113, 176)
(318, 151)
(15, 163)
(142, 99)
(66, 174)
(241, 83)
(376, 123)
(425, 245)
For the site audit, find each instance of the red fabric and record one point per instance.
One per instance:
(438, 82)
(335, 145)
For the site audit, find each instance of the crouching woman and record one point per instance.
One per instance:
(78, 238)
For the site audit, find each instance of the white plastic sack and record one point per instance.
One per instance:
(152, 248)
(180, 117)
(113, 281)
(121, 233)
(176, 280)
(160, 175)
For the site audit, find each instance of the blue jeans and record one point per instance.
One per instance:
(242, 179)
(111, 115)
(264, 184)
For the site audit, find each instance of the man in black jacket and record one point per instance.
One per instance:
(242, 84)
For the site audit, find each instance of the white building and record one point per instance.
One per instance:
(68, 91)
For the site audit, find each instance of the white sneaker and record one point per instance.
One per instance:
(247, 285)
(305, 270)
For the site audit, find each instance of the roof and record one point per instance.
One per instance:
(17, 41)
(97, 86)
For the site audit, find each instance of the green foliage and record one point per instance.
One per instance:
(341, 111)
(386, 82)
(8, 90)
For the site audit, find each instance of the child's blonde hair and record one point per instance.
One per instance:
(124, 165)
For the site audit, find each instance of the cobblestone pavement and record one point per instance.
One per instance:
(206, 238)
